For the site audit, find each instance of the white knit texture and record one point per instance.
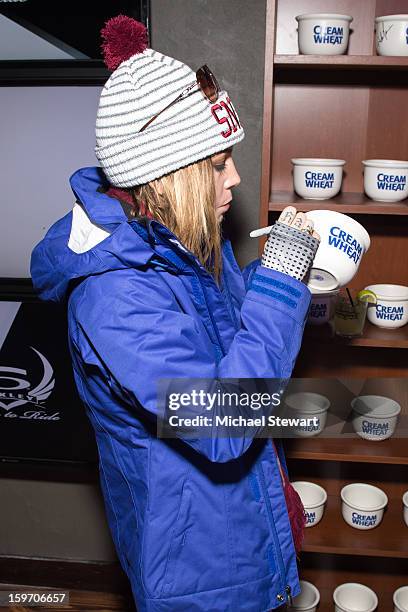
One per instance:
(190, 130)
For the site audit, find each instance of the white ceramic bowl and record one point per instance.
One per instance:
(307, 599)
(391, 310)
(313, 498)
(363, 505)
(322, 306)
(375, 417)
(400, 599)
(323, 33)
(307, 405)
(386, 180)
(342, 246)
(405, 504)
(354, 597)
(392, 35)
(316, 178)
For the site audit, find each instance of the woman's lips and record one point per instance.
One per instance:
(228, 203)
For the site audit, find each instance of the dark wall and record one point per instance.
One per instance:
(229, 36)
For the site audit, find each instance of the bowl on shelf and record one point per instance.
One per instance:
(322, 306)
(354, 597)
(363, 505)
(400, 599)
(342, 246)
(375, 417)
(386, 180)
(391, 35)
(323, 33)
(306, 405)
(405, 505)
(307, 599)
(316, 178)
(313, 498)
(391, 308)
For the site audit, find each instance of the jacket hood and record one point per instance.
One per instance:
(95, 237)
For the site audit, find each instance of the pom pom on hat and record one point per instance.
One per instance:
(122, 37)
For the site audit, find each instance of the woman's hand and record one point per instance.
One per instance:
(292, 244)
(289, 216)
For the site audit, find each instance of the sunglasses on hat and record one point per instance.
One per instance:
(207, 83)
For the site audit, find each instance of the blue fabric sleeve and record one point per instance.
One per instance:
(131, 326)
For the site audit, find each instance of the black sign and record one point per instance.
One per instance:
(41, 415)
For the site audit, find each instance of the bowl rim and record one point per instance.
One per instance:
(317, 161)
(399, 17)
(361, 508)
(405, 499)
(314, 484)
(361, 587)
(321, 293)
(311, 395)
(395, 412)
(305, 16)
(387, 298)
(385, 163)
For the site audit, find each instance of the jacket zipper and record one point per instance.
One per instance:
(272, 523)
(205, 303)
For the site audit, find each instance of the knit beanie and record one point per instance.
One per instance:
(144, 82)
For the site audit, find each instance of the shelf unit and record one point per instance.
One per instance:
(373, 336)
(350, 107)
(391, 452)
(341, 62)
(348, 203)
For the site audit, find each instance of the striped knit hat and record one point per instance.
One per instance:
(142, 84)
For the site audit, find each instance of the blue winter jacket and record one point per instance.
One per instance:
(199, 525)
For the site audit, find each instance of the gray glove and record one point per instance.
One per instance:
(289, 250)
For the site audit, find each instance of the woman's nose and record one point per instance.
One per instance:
(233, 179)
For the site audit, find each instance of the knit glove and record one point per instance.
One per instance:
(289, 250)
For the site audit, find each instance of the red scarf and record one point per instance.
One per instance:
(125, 196)
(296, 511)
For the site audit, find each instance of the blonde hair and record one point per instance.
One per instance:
(184, 201)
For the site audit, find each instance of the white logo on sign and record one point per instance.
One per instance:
(19, 390)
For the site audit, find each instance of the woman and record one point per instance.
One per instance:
(154, 292)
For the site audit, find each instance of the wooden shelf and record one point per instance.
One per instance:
(349, 62)
(373, 336)
(392, 451)
(332, 535)
(354, 203)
